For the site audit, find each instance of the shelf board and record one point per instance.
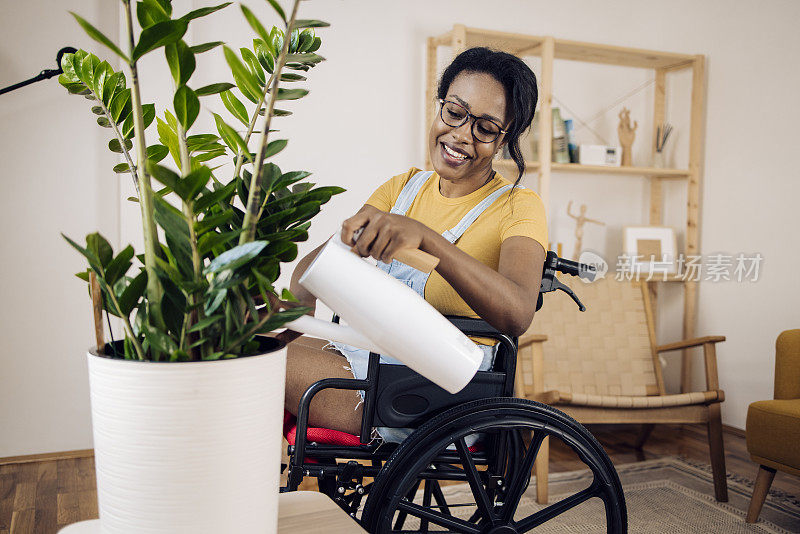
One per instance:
(533, 166)
(531, 45)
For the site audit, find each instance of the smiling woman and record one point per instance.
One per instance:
(489, 234)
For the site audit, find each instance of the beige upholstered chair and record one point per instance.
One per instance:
(602, 366)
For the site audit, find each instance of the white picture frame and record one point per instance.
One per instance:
(651, 249)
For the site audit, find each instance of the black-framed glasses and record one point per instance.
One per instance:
(483, 130)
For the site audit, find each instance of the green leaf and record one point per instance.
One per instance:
(158, 35)
(278, 9)
(241, 72)
(181, 62)
(159, 340)
(255, 23)
(289, 77)
(121, 168)
(156, 153)
(104, 122)
(274, 147)
(264, 54)
(213, 89)
(132, 293)
(177, 234)
(205, 323)
(120, 106)
(315, 45)
(244, 88)
(148, 114)
(291, 94)
(211, 222)
(255, 67)
(169, 138)
(270, 173)
(223, 194)
(235, 257)
(164, 175)
(305, 59)
(113, 84)
(195, 181)
(187, 106)
(235, 106)
(98, 36)
(100, 247)
(119, 265)
(231, 137)
(94, 261)
(98, 110)
(114, 145)
(277, 112)
(308, 23)
(149, 12)
(205, 47)
(203, 11)
(211, 240)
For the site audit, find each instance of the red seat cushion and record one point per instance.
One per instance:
(318, 435)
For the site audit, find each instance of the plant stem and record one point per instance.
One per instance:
(120, 138)
(251, 127)
(254, 196)
(125, 320)
(188, 214)
(154, 290)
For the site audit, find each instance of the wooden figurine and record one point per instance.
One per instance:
(626, 135)
(580, 220)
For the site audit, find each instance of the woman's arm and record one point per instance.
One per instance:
(505, 298)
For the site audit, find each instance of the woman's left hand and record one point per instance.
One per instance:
(383, 234)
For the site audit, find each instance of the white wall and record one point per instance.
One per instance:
(54, 177)
(375, 52)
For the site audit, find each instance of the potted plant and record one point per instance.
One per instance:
(187, 407)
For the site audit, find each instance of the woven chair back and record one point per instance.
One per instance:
(605, 350)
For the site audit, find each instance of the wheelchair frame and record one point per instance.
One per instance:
(443, 422)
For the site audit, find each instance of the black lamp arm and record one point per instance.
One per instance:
(45, 74)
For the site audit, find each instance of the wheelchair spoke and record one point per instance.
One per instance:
(449, 521)
(438, 496)
(426, 502)
(475, 482)
(521, 478)
(401, 516)
(556, 509)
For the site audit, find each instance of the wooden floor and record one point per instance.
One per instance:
(41, 497)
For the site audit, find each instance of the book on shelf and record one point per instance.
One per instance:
(572, 145)
(560, 149)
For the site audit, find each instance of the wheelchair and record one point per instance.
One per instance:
(481, 435)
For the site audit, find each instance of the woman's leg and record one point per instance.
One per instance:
(306, 363)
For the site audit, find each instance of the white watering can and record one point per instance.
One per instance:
(386, 316)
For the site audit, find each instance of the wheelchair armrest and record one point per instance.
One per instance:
(475, 327)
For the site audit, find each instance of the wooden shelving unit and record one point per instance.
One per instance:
(550, 48)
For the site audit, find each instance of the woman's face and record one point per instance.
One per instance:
(455, 154)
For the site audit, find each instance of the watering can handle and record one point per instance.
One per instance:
(422, 261)
(413, 257)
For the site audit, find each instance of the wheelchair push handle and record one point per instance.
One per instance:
(554, 264)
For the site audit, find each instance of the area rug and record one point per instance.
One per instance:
(669, 495)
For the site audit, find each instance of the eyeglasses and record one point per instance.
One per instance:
(483, 130)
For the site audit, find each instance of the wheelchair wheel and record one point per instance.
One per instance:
(497, 469)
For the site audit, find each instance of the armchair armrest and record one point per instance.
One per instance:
(787, 365)
(688, 343)
(527, 339)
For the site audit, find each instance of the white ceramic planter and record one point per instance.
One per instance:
(189, 447)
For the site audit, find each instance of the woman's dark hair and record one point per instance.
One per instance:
(519, 82)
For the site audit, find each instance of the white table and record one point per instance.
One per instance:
(308, 512)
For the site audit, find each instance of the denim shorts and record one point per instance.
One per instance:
(358, 360)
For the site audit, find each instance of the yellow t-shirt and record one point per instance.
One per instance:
(522, 214)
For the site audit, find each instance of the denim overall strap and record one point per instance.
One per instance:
(458, 230)
(409, 192)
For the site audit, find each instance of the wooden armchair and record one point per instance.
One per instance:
(602, 366)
